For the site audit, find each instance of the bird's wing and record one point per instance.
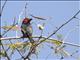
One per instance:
(29, 30)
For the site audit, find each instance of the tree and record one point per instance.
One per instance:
(12, 46)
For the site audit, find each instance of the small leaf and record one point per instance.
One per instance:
(18, 44)
(16, 27)
(12, 46)
(59, 36)
(56, 42)
(41, 27)
(3, 53)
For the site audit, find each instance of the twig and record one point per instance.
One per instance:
(0, 33)
(76, 18)
(25, 9)
(40, 35)
(3, 7)
(5, 52)
(32, 48)
(53, 33)
(68, 43)
(61, 27)
(17, 50)
(9, 29)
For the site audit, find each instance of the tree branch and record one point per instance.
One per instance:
(54, 32)
(61, 26)
(3, 7)
(0, 31)
(5, 52)
(42, 40)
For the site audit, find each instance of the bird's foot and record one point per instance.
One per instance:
(24, 37)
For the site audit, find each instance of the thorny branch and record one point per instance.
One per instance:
(17, 50)
(33, 47)
(61, 26)
(3, 7)
(30, 52)
(42, 39)
(7, 31)
(13, 24)
(0, 31)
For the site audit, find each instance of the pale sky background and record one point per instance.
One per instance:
(56, 12)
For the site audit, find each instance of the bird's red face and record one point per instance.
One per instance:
(26, 20)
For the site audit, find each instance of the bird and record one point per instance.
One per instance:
(26, 29)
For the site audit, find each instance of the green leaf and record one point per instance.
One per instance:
(3, 53)
(59, 36)
(57, 42)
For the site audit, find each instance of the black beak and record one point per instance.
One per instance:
(30, 18)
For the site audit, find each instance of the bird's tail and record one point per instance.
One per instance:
(30, 38)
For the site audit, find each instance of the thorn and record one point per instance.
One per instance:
(74, 17)
(0, 15)
(62, 57)
(0, 36)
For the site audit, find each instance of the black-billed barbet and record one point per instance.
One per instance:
(26, 29)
